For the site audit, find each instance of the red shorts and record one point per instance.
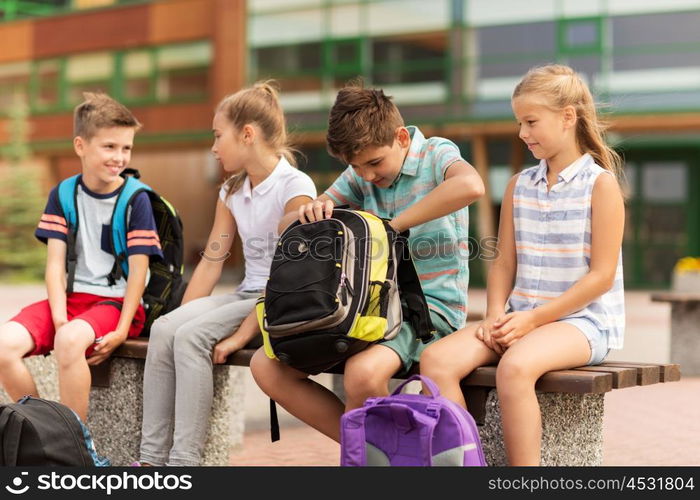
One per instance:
(101, 313)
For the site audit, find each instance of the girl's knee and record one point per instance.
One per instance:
(514, 370)
(161, 330)
(192, 340)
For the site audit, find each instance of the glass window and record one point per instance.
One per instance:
(47, 89)
(651, 61)
(581, 34)
(88, 73)
(665, 224)
(655, 29)
(666, 182)
(658, 264)
(296, 67)
(410, 59)
(14, 84)
(537, 38)
(288, 58)
(183, 71)
(138, 69)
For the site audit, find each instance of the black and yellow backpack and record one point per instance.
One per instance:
(337, 286)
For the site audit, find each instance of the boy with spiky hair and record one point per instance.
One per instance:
(90, 311)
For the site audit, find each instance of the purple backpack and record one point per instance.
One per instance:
(410, 430)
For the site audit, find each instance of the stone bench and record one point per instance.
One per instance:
(685, 328)
(571, 402)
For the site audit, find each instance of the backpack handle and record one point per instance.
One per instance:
(403, 418)
(427, 383)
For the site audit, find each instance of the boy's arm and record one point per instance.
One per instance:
(135, 285)
(55, 276)
(292, 210)
(462, 186)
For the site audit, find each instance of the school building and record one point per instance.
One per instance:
(450, 65)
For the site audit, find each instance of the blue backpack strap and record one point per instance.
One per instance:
(67, 193)
(132, 187)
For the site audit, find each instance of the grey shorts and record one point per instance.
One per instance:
(597, 338)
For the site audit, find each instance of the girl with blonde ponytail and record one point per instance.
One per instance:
(250, 142)
(555, 295)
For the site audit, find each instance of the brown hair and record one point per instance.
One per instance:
(361, 117)
(258, 104)
(100, 111)
(561, 86)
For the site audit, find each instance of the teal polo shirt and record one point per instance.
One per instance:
(440, 247)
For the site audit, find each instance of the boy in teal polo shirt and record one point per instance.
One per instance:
(421, 184)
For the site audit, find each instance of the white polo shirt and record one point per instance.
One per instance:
(258, 212)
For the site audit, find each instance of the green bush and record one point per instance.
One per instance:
(22, 257)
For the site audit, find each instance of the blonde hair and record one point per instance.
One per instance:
(258, 104)
(561, 86)
(98, 111)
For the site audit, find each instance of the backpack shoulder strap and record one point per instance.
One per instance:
(11, 423)
(132, 187)
(411, 291)
(67, 194)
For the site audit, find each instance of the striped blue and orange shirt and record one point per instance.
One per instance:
(93, 241)
(440, 247)
(553, 244)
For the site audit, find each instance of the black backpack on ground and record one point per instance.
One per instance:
(36, 431)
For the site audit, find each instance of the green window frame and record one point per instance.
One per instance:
(115, 85)
(593, 47)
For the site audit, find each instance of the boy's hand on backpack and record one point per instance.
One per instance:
(315, 211)
(105, 346)
(513, 326)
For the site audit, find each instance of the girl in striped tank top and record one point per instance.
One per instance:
(555, 292)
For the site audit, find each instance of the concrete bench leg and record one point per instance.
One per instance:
(572, 430)
(685, 338)
(116, 411)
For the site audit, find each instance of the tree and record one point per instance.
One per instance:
(22, 257)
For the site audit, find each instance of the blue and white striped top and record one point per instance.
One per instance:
(553, 244)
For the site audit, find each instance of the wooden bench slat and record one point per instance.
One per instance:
(579, 382)
(669, 372)
(621, 376)
(646, 374)
(588, 379)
